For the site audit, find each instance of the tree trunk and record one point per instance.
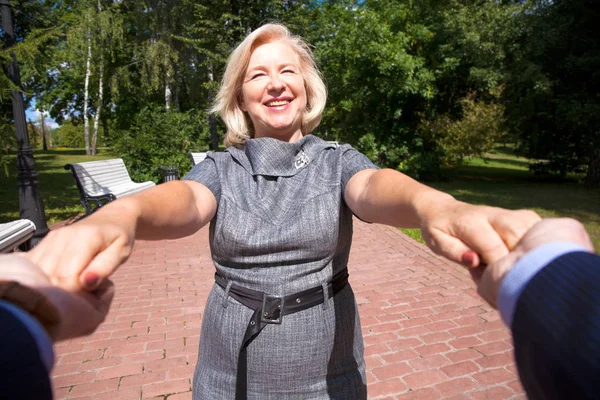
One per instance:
(98, 108)
(212, 120)
(592, 178)
(105, 132)
(45, 144)
(33, 138)
(168, 93)
(86, 124)
(100, 98)
(31, 206)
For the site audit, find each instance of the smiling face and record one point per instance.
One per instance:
(273, 92)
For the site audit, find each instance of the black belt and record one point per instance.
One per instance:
(270, 310)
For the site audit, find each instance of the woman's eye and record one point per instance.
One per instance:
(257, 75)
(289, 71)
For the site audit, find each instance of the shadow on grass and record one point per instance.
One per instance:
(567, 199)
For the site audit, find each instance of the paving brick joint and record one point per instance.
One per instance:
(427, 333)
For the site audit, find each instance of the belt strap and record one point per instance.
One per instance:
(271, 310)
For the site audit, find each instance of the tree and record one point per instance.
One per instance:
(377, 77)
(30, 200)
(552, 94)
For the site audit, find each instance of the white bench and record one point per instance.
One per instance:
(104, 181)
(15, 233)
(197, 157)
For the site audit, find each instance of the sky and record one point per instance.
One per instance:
(33, 114)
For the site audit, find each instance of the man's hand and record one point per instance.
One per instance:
(80, 313)
(489, 278)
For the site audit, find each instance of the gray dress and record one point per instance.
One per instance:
(281, 226)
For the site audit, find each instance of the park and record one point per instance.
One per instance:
(495, 103)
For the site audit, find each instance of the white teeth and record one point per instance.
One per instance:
(277, 103)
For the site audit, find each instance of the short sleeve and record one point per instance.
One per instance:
(205, 172)
(353, 161)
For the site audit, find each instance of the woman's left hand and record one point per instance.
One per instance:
(472, 235)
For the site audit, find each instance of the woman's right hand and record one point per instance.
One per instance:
(80, 256)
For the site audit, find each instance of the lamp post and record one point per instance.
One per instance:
(31, 206)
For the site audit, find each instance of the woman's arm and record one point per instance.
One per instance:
(79, 256)
(169, 211)
(459, 231)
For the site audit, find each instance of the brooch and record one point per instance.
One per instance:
(302, 160)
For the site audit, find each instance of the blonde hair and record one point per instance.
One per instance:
(227, 101)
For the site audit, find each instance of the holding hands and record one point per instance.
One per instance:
(80, 256)
(70, 314)
(489, 278)
(474, 235)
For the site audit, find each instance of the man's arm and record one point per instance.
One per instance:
(24, 362)
(548, 291)
(556, 329)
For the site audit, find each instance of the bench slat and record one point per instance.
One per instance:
(105, 177)
(12, 234)
(197, 157)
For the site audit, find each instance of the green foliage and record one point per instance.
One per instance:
(423, 165)
(8, 141)
(552, 92)
(377, 77)
(403, 78)
(159, 139)
(69, 135)
(474, 134)
(412, 84)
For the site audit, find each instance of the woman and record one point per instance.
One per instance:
(281, 321)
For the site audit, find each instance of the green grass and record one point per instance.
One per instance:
(503, 180)
(56, 185)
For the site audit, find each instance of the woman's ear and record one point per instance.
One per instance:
(241, 102)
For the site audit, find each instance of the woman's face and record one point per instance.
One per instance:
(273, 92)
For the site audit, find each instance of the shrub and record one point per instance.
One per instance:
(474, 134)
(69, 135)
(158, 139)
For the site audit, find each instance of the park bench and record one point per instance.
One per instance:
(197, 157)
(104, 181)
(15, 233)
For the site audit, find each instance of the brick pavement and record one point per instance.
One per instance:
(427, 334)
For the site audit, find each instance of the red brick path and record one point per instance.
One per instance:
(427, 334)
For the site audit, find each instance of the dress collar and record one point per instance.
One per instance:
(273, 157)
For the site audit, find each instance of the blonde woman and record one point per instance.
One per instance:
(281, 321)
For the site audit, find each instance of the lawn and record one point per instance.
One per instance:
(501, 179)
(56, 185)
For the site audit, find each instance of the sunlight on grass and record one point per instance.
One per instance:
(504, 180)
(56, 185)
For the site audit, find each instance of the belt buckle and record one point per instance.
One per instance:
(264, 315)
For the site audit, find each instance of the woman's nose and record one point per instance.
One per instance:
(276, 83)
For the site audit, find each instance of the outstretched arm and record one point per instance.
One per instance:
(459, 231)
(83, 254)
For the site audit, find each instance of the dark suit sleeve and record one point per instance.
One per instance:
(556, 330)
(22, 371)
